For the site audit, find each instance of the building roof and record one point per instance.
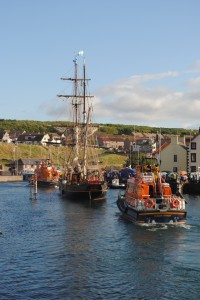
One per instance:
(31, 137)
(30, 161)
(165, 145)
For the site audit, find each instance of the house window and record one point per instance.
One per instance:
(193, 146)
(193, 169)
(193, 157)
(175, 169)
(29, 138)
(175, 158)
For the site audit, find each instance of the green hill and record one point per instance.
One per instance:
(57, 154)
(118, 129)
(10, 152)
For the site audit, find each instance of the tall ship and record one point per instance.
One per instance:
(148, 199)
(83, 176)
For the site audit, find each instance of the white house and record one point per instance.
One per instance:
(33, 138)
(194, 154)
(173, 155)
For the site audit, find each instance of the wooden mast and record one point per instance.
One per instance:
(77, 100)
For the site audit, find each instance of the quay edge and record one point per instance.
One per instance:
(14, 178)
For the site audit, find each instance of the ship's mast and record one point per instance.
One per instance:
(75, 100)
(79, 99)
(76, 104)
(85, 122)
(84, 94)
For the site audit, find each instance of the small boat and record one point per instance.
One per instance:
(117, 179)
(114, 180)
(83, 176)
(191, 185)
(125, 174)
(46, 175)
(149, 199)
(116, 184)
(27, 174)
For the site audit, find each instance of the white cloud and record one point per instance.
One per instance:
(195, 67)
(168, 99)
(159, 76)
(194, 84)
(130, 101)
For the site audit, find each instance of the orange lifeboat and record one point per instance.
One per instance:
(149, 203)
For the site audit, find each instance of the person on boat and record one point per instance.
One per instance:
(155, 171)
(138, 169)
(183, 178)
(149, 169)
(68, 173)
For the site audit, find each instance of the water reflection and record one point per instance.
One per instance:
(64, 249)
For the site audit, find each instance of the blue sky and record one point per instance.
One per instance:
(143, 57)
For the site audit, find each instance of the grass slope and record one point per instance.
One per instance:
(57, 154)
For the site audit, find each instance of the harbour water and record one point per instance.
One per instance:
(53, 248)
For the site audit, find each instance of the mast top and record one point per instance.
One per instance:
(79, 53)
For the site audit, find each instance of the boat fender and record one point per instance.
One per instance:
(149, 203)
(175, 203)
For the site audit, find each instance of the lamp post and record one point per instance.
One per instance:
(15, 161)
(13, 167)
(138, 149)
(131, 145)
(16, 165)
